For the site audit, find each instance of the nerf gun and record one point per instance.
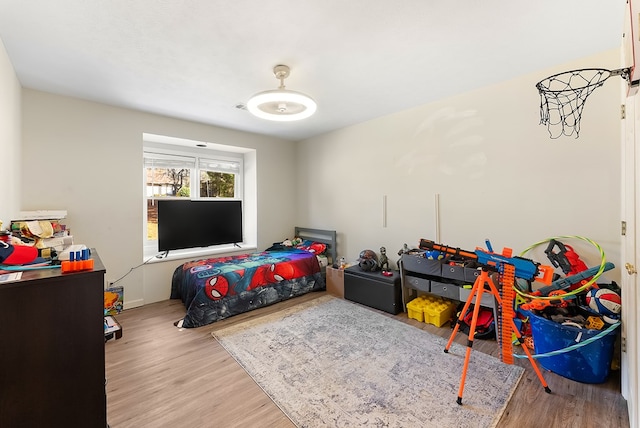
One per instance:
(564, 283)
(566, 259)
(540, 305)
(524, 268)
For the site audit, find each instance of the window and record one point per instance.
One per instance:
(218, 178)
(175, 172)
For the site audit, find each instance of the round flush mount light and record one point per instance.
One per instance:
(281, 104)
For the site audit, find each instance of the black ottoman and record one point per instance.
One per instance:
(373, 289)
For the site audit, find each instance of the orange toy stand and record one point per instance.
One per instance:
(508, 324)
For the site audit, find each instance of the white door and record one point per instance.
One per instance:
(629, 256)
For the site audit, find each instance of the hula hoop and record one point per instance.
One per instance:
(579, 290)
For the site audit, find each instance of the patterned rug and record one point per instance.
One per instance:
(331, 363)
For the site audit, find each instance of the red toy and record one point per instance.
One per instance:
(567, 260)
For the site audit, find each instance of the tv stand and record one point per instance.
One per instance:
(163, 255)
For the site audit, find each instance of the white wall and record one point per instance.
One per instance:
(86, 158)
(10, 176)
(496, 171)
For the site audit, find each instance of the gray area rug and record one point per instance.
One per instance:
(332, 363)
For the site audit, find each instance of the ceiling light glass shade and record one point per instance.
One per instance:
(281, 105)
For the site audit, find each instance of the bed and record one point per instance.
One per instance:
(213, 289)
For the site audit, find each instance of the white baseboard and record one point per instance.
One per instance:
(130, 304)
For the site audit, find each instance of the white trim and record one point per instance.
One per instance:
(130, 304)
(195, 253)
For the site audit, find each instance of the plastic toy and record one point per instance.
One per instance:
(566, 259)
(594, 323)
(78, 261)
(539, 304)
(580, 278)
(368, 261)
(524, 268)
(384, 260)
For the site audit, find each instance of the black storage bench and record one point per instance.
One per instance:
(373, 289)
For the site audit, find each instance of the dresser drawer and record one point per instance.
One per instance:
(487, 297)
(419, 264)
(450, 291)
(417, 283)
(453, 271)
(470, 275)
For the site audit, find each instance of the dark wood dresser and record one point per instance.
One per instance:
(52, 371)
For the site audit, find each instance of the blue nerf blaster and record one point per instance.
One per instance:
(524, 268)
(564, 283)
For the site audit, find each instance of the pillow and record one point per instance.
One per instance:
(291, 242)
(316, 248)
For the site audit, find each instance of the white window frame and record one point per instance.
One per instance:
(225, 164)
(198, 156)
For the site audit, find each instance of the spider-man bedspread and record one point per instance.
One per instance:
(217, 288)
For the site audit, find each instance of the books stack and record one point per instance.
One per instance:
(43, 229)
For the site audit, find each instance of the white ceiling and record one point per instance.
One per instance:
(359, 59)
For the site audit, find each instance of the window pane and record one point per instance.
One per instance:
(152, 220)
(159, 160)
(161, 183)
(231, 166)
(217, 184)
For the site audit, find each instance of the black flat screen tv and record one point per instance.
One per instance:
(198, 223)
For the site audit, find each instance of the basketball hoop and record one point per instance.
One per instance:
(562, 97)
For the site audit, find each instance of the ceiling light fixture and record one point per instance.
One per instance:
(281, 104)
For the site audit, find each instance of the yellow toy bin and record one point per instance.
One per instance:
(415, 309)
(431, 309)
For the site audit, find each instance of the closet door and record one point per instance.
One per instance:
(630, 211)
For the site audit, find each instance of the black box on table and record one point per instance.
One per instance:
(373, 289)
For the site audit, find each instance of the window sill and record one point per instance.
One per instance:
(198, 253)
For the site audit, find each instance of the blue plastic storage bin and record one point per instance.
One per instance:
(588, 364)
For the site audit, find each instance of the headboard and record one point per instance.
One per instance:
(327, 237)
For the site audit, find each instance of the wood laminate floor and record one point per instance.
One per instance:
(161, 376)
